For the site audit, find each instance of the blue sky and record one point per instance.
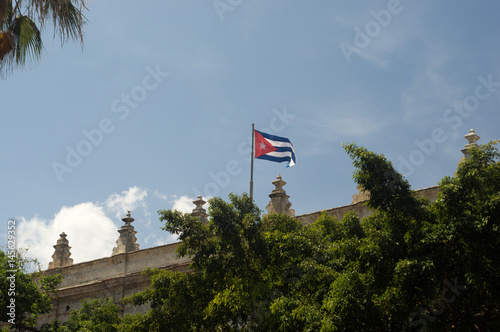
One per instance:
(157, 108)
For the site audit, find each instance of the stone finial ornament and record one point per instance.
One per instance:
(279, 199)
(472, 138)
(127, 240)
(199, 212)
(61, 255)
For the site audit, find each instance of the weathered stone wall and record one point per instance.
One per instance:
(117, 277)
(360, 207)
(120, 275)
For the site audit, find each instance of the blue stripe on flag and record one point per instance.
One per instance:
(286, 154)
(276, 159)
(284, 149)
(274, 138)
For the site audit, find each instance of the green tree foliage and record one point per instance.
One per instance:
(467, 238)
(227, 280)
(21, 22)
(97, 315)
(410, 266)
(440, 259)
(20, 285)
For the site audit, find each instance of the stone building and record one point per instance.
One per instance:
(119, 275)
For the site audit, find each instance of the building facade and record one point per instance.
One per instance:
(120, 275)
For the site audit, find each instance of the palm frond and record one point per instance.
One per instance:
(5, 13)
(7, 52)
(28, 39)
(67, 17)
(7, 44)
(22, 20)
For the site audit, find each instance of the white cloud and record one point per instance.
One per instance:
(90, 232)
(87, 227)
(158, 239)
(185, 204)
(129, 199)
(159, 195)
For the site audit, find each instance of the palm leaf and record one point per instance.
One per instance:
(5, 13)
(28, 39)
(67, 17)
(22, 20)
(7, 44)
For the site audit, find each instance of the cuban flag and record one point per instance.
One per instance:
(274, 148)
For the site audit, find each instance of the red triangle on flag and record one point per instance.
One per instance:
(262, 145)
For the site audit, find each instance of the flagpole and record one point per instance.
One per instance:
(251, 163)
